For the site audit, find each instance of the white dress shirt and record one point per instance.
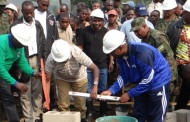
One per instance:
(32, 48)
(41, 17)
(155, 6)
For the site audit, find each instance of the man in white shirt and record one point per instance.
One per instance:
(41, 17)
(47, 21)
(155, 5)
(140, 11)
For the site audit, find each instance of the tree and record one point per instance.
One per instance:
(60, 2)
(55, 10)
(88, 2)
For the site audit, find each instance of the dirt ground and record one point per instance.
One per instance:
(110, 110)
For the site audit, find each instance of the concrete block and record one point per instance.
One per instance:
(54, 116)
(188, 116)
(183, 115)
(170, 117)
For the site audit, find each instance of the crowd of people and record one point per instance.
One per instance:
(144, 45)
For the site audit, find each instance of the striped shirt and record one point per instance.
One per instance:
(74, 70)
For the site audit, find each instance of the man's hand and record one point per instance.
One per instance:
(37, 75)
(93, 94)
(107, 93)
(22, 87)
(44, 106)
(110, 68)
(124, 98)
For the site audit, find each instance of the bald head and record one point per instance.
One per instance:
(27, 4)
(28, 11)
(109, 5)
(80, 5)
(43, 5)
(109, 1)
(96, 5)
(64, 8)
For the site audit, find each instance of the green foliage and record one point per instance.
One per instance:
(88, 2)
(55, 10)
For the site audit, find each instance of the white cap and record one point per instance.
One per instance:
(186, 6)
(11, 6)
(22, 33)
(112, 40)
(97, 13)
(60, 50)
(169, 4)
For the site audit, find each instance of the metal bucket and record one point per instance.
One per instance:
(116, 119)
(122, 110)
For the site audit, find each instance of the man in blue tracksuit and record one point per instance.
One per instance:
(145, 66)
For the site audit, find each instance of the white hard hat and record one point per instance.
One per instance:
(22, 33)
(11, 6)
(169, 4)
(97, 13)
(186, 6)
(60, 50)
(112, 40)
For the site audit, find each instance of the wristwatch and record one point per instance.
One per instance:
(95, 82)
(113, 63)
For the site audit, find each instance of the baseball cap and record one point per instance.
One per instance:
(130, 3)
(141, 10)
(114, 12)
(137, 23)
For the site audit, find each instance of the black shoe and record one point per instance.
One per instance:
(84, 120)
(38, 120)
(89, 115)
(103, 115)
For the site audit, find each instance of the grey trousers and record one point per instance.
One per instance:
(31, 101)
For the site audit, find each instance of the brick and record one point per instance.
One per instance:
(170, 117)
(54, 116)
(183, 115)
(188, 116)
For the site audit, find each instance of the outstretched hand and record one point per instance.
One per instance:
(37, 75)
(93, 94)
(107, 93)
(124, 98)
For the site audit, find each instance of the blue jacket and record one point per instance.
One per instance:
(145, 66)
